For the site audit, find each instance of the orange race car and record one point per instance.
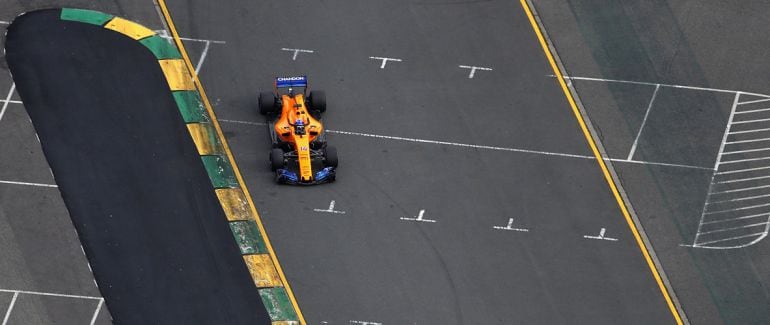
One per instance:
(300, 154)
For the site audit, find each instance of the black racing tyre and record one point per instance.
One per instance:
(267, 103)
(276, 159)
(330, 157)
(318, 100)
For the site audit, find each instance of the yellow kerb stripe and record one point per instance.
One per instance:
(204, 136)
(262, 270)
(172, 29)
(234, 204)
(177, 75)
(602, 165)
(129, 28)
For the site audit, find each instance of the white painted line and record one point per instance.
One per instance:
(11, 101)
(10, 308)
(738, 209)
(419, 217)
(747, 141)
(50, 294)
(330, 209)
(7, 100)
(203, 57)
(384, 60)
(644, 121)
(734, 228)
(738, 180)
(663, 85)
(738, 218)
(655, 163)
(741, 189)
(742, 170)
(731, 238)
(749, 131)
(3, 22)
(164, 34)
(473, 146)
(28, 184)
(361, 322)
(754, 101)
(744, 160)
(510, 227)
(754, 110)
(296, 52)
(752, 121)
(744, 151)
(739, 199)
(601, 236)
(473, 69)
(96, 312)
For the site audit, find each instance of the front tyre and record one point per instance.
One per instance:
(318, 100)
(330, 157)
(276, 159)
(267, 103)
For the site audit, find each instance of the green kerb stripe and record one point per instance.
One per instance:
(85, 16)
(161, 47)
(247, 235)
(220, 171)
(277, 303)
(191, 106)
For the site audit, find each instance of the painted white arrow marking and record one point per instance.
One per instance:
(419, 217)
(330, 209)
(601, 236)
(510, 227)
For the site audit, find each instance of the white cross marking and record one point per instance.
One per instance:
(510, 227)
(330, 209)
(601, 236)
(419, 217)
(296, 51)
(473, 69)
(384, 60)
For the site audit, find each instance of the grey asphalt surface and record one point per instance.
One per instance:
(368, 264)
(705, 44)
(40, 250)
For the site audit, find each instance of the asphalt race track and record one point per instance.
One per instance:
(369, 264)
(466, 193)
(130, 175)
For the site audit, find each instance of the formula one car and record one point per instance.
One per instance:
(300, 155)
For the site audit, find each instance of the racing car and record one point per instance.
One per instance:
(299, 154)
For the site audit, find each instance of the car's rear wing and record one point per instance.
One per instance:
(290, 82)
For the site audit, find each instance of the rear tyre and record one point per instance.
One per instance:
(330, 157)
(318, 100)
(276, 159)
(267, 103)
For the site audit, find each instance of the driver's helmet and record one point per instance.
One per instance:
(299, 127)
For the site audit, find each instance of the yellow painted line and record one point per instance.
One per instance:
(129, 28)
(234, 204)
(602, 165)
(177, 74)
(172, 28)
(205, 138)
(262, 270)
